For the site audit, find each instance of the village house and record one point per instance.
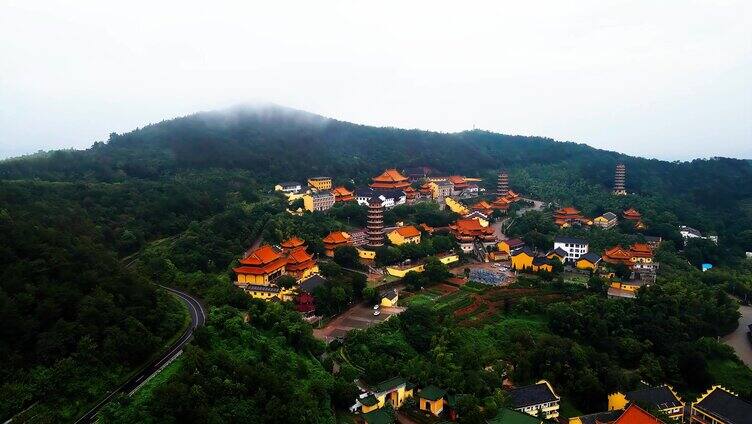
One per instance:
(402, 235)
(395, 391)
(720, 406)
(536, 399)
(389, 298)
(522, 259)
(320, 201)
(575, 247)
(431, 399)
(606, 221)
(320, 183)
(588, 261)
(334, 240)
(569, 216)
(542, 263)
(558, 254)
(663, 398)
(509, 245)
(288, 187)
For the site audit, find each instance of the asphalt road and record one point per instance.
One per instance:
(738, 339)
(198, 318)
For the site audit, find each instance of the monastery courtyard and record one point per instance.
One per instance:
(358, 317)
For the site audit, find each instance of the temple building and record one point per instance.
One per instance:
(482, 207)
(468, 231)
(411, 195)
(631, 214)
(502, 186)
(638, 253)
(292, 243)
(320, 183)
(618, 255)
(300, 263)
(375, 225)
(403, 235)
(342, 194)
(261, 266)
(536, 399)
(319, 201)
(663, 398)
(720, 406)
(501, 204)
(620, 178)
(390, 179)
(569, 216)
(334, 240)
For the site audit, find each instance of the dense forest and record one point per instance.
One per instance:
(83, 234)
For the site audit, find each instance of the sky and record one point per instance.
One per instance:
(667, 79)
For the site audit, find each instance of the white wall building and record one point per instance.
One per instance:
(575, 247)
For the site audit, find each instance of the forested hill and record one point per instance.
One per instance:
(274, 143)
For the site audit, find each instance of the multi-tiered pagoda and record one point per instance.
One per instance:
(620, 179)
(502, 187)
(375, 227)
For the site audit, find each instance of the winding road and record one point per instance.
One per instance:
(198, 318)
(738, 339)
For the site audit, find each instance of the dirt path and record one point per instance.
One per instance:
(738, 339)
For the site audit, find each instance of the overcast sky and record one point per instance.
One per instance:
(666, 79)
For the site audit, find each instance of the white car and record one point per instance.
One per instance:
(375, 307)
(376, 313)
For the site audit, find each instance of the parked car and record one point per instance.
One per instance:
(376, 313)
(375, 307)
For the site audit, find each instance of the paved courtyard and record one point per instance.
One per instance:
(358, 317)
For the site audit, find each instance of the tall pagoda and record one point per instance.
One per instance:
(389, 180)
(502, 186)
(619, 180)
(375, 227)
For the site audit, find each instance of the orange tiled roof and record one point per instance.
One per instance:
(408, 231)
(482, 205)
(341, 191)
(390, 176)
(263, 255)
(568, 211)
(292, 242)
(336, 237)
(632, 213)
(409, 190)
(299, 255)
(641, 249)
(636, 415)
(471, 227)
(617, 252)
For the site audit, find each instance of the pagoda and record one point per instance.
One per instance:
(389, 180)
(569, 216)
(334, 240)
(261, 266)
(620, 178)
(502, 186)
(375, 227)
(411, 195)
(342, 194)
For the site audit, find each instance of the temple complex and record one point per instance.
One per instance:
(301, 264)
(390, 179)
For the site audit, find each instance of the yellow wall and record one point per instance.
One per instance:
(388, 302)
(253, 279)
(397, 239)
(457, 207)
(433, 407)
(324, 184)
(308, 272)
(401, 272)
(617, 401)
(583, 264)
(382, 401)
(503, 247)
(449, 259)
(308, 202)
(544, 267)
(522, 261)
(367, 254)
